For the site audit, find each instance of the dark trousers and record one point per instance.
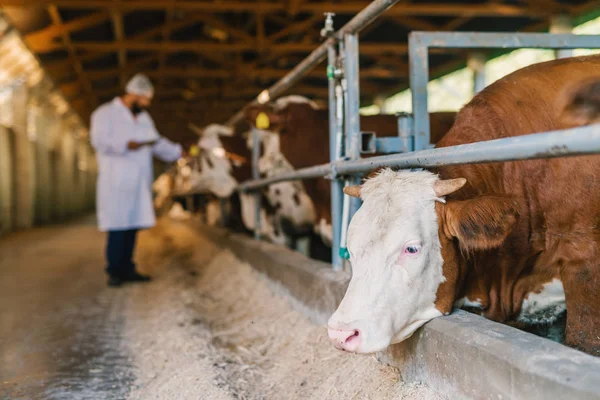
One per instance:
(119, 252)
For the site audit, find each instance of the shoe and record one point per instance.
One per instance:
(114, 281)
(136, 277)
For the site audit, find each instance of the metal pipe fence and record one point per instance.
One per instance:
(563, 143)
(345, 135)
(354, 26)
(419, 44)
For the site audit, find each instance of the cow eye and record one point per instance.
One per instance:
(412, 249)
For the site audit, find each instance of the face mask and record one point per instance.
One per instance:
(136, 108)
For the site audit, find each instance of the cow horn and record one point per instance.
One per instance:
(445, 187)
(353, 191)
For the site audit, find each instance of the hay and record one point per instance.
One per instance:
(227, 332)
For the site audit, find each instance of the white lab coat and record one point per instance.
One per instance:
(124, 187)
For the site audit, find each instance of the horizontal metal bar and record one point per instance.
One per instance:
(568, 142)
(355, 25)
(392, 144)
(502, 40)
(371, 144)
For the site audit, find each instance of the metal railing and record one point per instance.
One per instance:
(354, 26)
(344, 123)
(568, 142)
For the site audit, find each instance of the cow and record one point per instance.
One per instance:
(211, 174)
(518, 241)
(302, 132)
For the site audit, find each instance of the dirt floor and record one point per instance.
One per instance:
(208, 327)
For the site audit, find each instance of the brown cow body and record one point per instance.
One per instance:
(553, 204)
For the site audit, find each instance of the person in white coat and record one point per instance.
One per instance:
(125, 139)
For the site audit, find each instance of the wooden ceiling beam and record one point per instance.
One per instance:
(65, 64)
(85, 82)
(48, 34)
(415, 24)
(218, 23)
(265, 73)
(119, 32)
(296, 27)
(169, 26)
(294, 7)
(347, 7)
(194, 46)
(456, 23)
(261, 41)
(162, 57)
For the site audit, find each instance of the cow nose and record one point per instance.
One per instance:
(345, 339)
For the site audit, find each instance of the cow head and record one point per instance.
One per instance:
(294, 209)
(214, 172)
(284, 114)
(400, 243)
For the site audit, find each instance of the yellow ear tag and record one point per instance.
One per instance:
(262, 121)
(194, 151)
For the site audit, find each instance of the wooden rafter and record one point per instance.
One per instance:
(265, 73)
(194, 46)
(162, 57)
(415, 23)
(85, 82)
(218, 23)
(119, 32)
(293, 28)
(48, 34)
(260, 33)
(456, 23)
(294, 7)
(347, 7)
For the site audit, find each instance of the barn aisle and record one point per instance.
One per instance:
(208, 327)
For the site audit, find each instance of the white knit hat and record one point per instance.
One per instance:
(140, 84)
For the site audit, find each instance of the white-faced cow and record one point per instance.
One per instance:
(519, 241)
(299, 134)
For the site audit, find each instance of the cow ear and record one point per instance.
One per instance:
(582, 103)
(481, 223)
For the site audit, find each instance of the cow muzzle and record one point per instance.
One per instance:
(345, 339)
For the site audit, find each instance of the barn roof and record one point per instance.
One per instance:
(210, 58)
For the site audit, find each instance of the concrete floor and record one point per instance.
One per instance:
(208, 327)
(60, 326)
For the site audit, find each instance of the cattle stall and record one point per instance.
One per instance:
(412, 150)
(236, 309)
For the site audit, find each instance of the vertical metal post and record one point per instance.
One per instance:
(256, 175)
(476, 63)
(419, 76)
(337, 194)
(405, 125)
(562, 24)
(352, 116)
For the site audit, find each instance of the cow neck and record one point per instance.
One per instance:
(453, 270)
(459, 269)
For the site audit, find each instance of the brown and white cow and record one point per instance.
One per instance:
(223, 159)
(302, 135)
(520, 240)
